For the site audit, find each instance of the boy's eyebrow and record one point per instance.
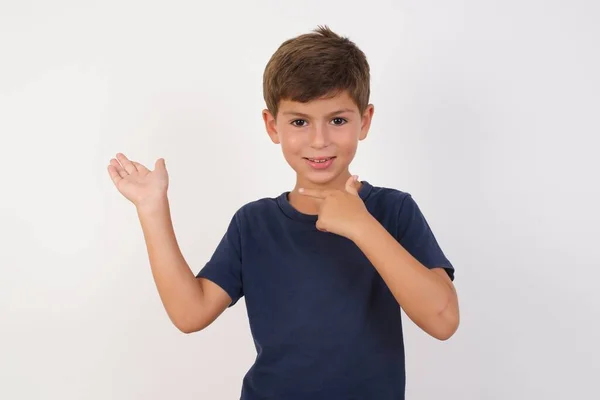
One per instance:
(299, 114)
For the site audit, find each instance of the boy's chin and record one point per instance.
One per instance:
(319, 178)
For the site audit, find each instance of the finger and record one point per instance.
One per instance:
(320, 226)
(318, 194)
(120, 170)
(351, 185)
(126, 163)
(140, 167)
(160, 164)
(114, 174)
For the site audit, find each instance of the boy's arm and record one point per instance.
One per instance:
(191, 303)
(427, 296)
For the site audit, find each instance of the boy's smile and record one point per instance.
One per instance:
(320, 163)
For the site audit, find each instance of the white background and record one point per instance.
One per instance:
(486, 111)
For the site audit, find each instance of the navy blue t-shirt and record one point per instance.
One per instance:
(324, 323)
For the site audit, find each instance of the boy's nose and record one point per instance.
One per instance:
(319, 138)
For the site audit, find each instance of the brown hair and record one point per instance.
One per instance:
(316, 65)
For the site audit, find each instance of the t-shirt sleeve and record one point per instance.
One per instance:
(225, 266)
(416, 236)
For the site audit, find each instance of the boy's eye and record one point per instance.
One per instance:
(302, 122)
(298, 122)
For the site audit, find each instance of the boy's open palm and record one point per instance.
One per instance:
(340, 211)
(136, 182)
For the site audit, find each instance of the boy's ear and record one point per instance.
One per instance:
(366, 119)
(271, 125)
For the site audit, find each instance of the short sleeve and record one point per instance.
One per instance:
(416, 236)
(225, 266)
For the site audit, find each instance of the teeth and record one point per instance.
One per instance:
(320, 161)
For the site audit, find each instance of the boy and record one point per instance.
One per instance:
(325, 267)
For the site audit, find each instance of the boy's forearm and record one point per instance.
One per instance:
(177, 286)
(423, 294)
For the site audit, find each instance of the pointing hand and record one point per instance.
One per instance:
(340, 211)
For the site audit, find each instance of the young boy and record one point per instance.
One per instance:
(325, 267)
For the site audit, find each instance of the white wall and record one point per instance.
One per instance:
(486, 111)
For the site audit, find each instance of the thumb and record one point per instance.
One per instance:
(160, 164)
(350, 185)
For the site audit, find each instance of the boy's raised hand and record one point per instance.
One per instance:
(136, 182)
(340, 211)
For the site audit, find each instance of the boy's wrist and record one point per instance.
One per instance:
(363, 227)
(153, 206)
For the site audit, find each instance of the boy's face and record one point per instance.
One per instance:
(319, 138)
